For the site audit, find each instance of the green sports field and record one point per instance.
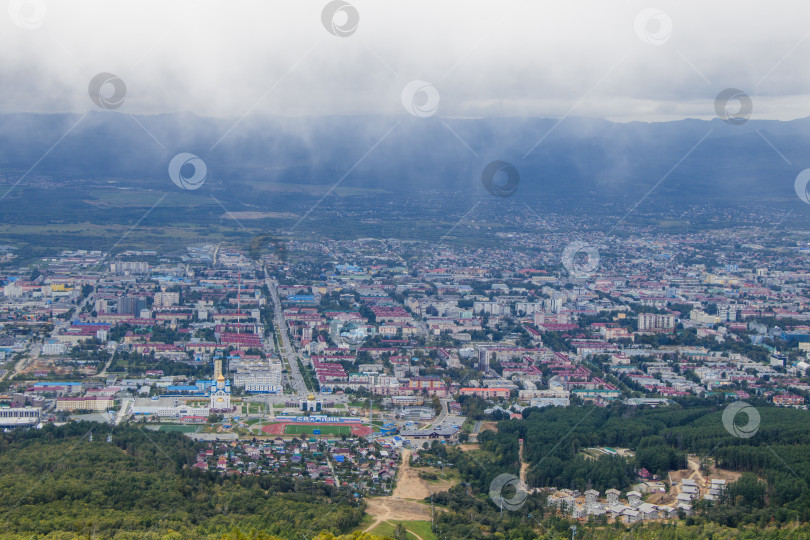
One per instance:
(306, 429)
(179, 428)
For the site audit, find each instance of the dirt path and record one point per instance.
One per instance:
(403, 504)
(410, 486)
(695, 466)
(467, 447)
(523, 465)
(391, 509)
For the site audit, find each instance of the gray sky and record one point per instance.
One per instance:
(484, 58)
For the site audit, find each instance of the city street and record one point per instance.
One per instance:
(288, 353)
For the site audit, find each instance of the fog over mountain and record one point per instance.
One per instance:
(578, 157)
(587, 101)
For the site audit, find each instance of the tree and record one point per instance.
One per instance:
(437, 405)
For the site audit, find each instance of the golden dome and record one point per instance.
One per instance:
(221, 378)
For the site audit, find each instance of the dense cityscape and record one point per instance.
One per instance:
(334, 360)
(404, 270)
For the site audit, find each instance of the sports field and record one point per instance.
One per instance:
(179, 428)
(295, 428)
(307, 429)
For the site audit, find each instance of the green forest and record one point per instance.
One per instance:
(772, 493)
(56, 483)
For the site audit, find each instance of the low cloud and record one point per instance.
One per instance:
(495, 58)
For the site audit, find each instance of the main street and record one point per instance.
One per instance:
(287, 351)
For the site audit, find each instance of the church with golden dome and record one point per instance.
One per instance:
(311, 404)
(220, 395)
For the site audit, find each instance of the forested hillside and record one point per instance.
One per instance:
(775, 462)
(56, 480)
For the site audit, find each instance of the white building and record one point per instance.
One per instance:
(19, 416)
(260, 381)
(12, 290)
(124, 268)
(54, 349)
(261, 376)
(491, 308)
(166, 408)
(655, 321)
(631, 516)
(166, 299)
(529, 308)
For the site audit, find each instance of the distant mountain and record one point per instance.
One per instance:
(577, 158)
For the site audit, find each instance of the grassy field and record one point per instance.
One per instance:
(468, 425)
(179, 428)
(422, 528)
(327, 429)
(255, 408)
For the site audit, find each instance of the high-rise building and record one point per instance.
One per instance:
(100, 305)
(131, 305)
(124, 268)
(166, 299)
(483, 360)
(655, 322)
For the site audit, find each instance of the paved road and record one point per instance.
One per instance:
(123, 412)
(288, 352)
(103, 372)
(442, 415)
(332, 469)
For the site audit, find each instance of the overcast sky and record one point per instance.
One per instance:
(495, 58)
